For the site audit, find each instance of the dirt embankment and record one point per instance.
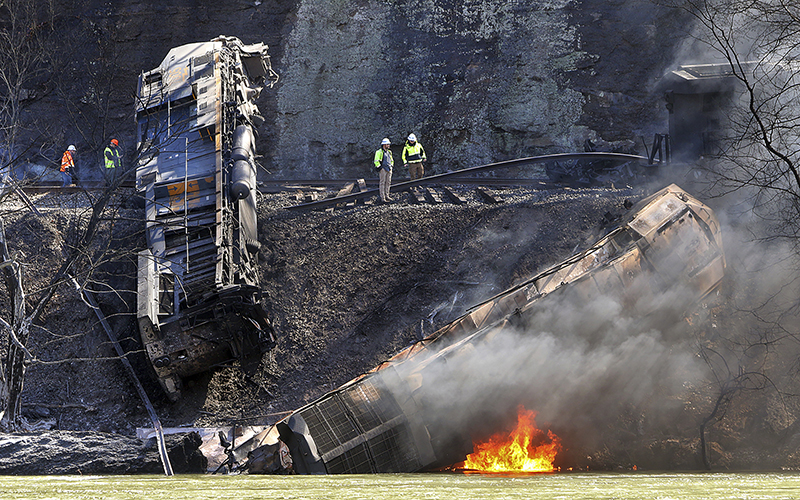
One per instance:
(347, 289)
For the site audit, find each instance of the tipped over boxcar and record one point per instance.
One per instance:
(199, 301)
(669, 244)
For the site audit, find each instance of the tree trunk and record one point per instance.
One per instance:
(18, 332)
(15, 377)
(15, 362)
(703, 452)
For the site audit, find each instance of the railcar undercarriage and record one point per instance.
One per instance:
(199, 301)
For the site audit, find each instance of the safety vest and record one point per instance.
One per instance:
(111, 156)
(413, 153)
(378, 160)
(66, 161)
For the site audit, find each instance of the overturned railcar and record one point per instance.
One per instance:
(377, 422)
(198, 296)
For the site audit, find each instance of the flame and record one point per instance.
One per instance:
(514, 452)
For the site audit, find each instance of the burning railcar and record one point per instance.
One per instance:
(378, 422)
(198, 295)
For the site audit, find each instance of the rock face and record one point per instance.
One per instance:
(477, 80)
(63, 452)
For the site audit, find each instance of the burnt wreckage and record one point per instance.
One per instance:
(198, 294)
(378, 422)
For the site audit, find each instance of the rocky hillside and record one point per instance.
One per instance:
(477, 81)
(349, 288)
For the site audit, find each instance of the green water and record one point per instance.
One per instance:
(643, 485)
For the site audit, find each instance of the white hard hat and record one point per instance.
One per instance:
(412, 137)
(385, 141)
(71, 148)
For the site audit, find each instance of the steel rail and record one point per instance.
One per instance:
(402, 186)
(269, 186)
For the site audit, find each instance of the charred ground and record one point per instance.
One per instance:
(346, 289)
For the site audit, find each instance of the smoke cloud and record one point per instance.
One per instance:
(644, 362)
(578, 363)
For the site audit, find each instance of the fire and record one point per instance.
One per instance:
(515, 451)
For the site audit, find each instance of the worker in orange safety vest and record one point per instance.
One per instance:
(68, 166)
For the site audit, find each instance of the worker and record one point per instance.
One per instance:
(384, 162)
(68, 166)
(113, 160)
(413, 156)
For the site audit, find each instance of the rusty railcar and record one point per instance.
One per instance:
(198, 294)
(377, 422)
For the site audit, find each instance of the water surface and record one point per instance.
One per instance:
(629, 485)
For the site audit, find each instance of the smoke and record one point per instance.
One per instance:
(578, 363)
(646, 361)
(586, 365)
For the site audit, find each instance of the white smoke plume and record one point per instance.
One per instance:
(577, 363)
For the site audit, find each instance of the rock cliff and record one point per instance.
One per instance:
(477, 80)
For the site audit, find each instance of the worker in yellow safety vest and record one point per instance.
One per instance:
(113, 159)
(413, 156)
(383, 163)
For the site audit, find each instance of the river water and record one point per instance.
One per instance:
(629, 485)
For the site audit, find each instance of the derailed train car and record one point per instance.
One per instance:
(198, 295)
(377, 422)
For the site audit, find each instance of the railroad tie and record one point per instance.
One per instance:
(488, 195)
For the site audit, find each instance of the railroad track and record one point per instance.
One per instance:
(462, 175)
(44, 187)
(289, 184)
(281, 185)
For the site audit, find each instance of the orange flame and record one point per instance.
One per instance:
(514, 452)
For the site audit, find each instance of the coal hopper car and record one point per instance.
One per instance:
(378, 422)
(199, 299)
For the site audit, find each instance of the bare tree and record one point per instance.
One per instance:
(28, 54)
(760, 41)
(86, 243)
(26, 29)
(759, 166)
(82, 258)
